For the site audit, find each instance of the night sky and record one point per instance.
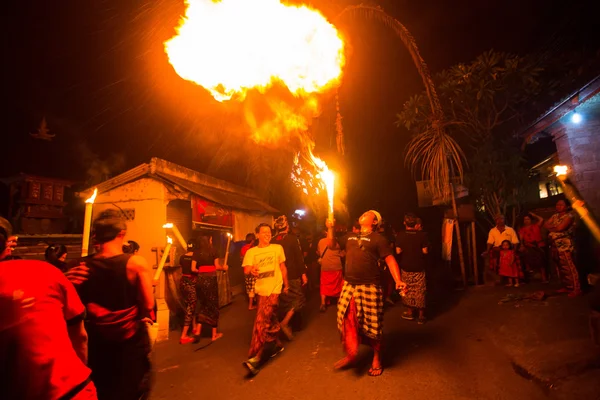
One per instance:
(97, 72)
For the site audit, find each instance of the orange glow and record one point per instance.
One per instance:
(92, 197)
(323, 179)
(232, 46)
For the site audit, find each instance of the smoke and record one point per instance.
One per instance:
(99, 169)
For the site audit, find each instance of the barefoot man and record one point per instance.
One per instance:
(360, 308)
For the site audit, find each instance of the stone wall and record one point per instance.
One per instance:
(578, 146)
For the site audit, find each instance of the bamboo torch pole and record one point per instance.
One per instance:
(87, 224)
(163, 260)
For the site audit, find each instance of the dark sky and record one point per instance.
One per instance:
(97, 72)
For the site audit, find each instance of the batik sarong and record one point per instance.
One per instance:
(266, 325)
(187, 286)
(207, 304)
(294, 299)
(416, 288)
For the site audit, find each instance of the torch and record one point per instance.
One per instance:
(87, 224)
(177, 234)
(329, 180)
(163, 260)
(574, 198)
(229, 236)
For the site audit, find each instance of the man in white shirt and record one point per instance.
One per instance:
(497, 235)
(267, 263)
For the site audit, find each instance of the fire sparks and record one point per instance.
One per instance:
(311, 183)
(232, 46)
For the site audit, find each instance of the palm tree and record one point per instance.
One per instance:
(433, 152)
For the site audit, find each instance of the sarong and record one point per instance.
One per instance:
(250, 281)
(294, 299)
(266, 325)
(207, 305)
(416, 288)
(332, 283)
(562, 253)
(187, 286)
(369, 309)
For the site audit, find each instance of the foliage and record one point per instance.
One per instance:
(482, 102)
(435, 153)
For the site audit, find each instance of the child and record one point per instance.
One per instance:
(510, 266)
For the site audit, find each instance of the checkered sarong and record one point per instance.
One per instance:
(369, 308)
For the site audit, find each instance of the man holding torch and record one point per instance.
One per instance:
(360, 308)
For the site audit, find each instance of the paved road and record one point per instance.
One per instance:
(448, 358)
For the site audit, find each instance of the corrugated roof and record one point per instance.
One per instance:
(220, 196)
(215, 190)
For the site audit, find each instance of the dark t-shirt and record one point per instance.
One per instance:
(362, 256)
(204, 258)
(412, 243)
(186, 264)
(294, 259)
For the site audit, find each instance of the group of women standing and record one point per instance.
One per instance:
(561, 229)
(200, 289)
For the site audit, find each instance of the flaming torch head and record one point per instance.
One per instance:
(561, 171)
(92, 198)
(168, 225)
(169, 240)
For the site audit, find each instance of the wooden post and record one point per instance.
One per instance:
(461, 257)
(474, 239)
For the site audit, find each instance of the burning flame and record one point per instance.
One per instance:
(231, 46)
(323, 179)
(168, 225)
(92, 197)
(561, 170)
(169, 240)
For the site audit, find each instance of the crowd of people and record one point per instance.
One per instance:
(517, 257)
(65, 335)
(358, 270)
(80, 332)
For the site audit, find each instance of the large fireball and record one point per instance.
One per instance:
(231, 46)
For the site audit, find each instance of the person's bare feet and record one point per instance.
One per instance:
(343, 363)
(217, 336)
(251, 307)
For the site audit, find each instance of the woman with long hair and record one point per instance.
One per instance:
(187, 286)
(206, 264)
(56, 254)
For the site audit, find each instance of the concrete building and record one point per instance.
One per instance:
(155, 193)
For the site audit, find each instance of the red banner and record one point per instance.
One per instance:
(209, 213)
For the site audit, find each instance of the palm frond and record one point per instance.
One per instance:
(434, 152)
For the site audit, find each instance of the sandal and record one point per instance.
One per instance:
(407, 315)
(375, 371)
(186, 340)
(323, 308)
(421, 320)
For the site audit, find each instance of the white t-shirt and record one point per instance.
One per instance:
(496, 237)
(267, 259)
